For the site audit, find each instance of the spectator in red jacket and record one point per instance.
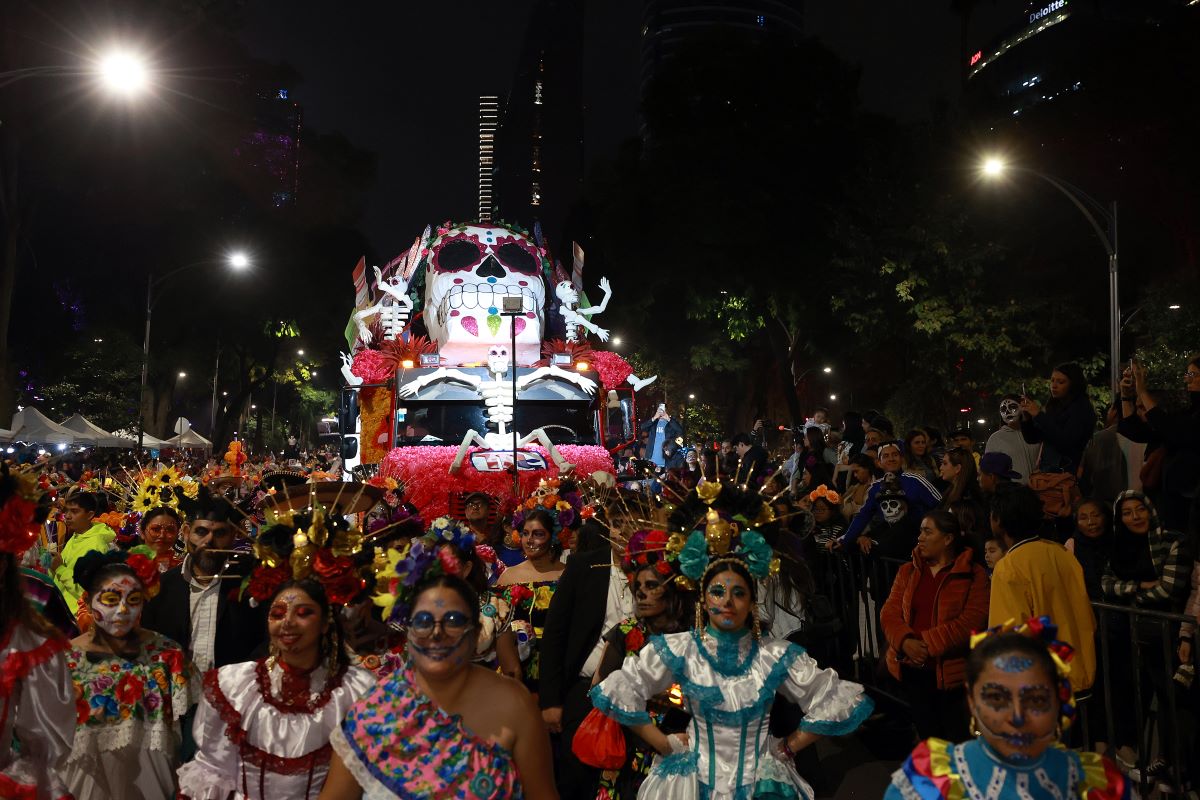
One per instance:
(935, 604)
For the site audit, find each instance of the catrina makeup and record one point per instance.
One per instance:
(117, 605)
(1015, 707)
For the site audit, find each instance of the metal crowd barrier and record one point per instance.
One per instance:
(1135, 656)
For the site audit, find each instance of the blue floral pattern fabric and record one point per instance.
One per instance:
(395, 740)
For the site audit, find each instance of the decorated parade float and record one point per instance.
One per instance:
(470, 369)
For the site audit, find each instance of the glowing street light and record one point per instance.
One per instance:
(691, 397)
(981, 421)
(239, 260)
(1174, 307)
(827, 370)
(183, 374)
(1104, 223)
(616, 341)
(299, 352)
(123, 72)
(833, 397)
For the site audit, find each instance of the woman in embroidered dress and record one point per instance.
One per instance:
(262, 730)
(441, 727)
(1019, 696)
(660, 607)
(729, 675)
(37, 699)
(528, 587)
(132, 686)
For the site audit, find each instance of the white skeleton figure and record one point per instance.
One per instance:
(568, 300)
(349, 377)
(497, 396)
(393, 313)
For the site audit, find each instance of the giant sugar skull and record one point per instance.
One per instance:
(469, 270)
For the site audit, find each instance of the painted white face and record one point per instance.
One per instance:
(117, 605)
(893, 510)
(470, 268)
(1009, 409)
(498, 360)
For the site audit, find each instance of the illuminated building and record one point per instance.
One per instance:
(489, 124)
(272, 149)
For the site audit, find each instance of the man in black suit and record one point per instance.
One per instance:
(193, 605)
(752, 460)
(592, 596)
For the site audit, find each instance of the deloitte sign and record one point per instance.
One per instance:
(1050, 9)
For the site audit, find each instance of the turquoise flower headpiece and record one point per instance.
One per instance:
(721, 541)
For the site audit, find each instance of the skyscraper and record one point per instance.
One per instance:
(667, 23)
(272, 148)
(489, 125)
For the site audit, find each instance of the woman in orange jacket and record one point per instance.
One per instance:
(935, 604)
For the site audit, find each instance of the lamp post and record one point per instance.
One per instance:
(995, 167)
(235, 261)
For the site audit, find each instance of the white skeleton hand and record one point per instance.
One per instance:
(601, 333)
(605, 286)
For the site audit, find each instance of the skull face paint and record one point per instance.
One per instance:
(470, 268)
(117, 606)
(649, 594)
(893, 509)
(1009, 410)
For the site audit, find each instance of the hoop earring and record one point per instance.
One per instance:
(973, 728)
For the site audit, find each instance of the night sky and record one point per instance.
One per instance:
(403, 80)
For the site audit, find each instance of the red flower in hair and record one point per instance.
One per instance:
(662, 568)
(265, 582)
(17, 531)
(449, 561)
(634, 640)
(146, 570)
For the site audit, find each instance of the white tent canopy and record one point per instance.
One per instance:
(92, 434)
(186, 437)
(148, 442)
(31, 425)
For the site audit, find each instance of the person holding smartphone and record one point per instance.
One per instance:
(663, 431)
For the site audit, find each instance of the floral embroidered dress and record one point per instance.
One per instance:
(729, 681)
(262, 730)
(37, 714)
(939, 770)
(398, 743)
(128, 732)
(530, 603)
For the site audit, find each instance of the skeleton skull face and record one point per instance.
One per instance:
(498, 360)
(1009, 409)
(470, 269)
(566, 293)
(893, 509)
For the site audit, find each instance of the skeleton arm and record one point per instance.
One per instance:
(397, 288)
(360, 322)
(605, 287)
(350, 378)
(440, 374)
(573, 317)
(542, 373)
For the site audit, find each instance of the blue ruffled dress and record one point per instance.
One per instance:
(729, 682)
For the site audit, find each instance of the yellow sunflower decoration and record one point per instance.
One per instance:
(162, 488)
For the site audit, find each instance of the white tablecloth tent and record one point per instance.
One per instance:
(187, 438)
(148, 442)
(31, 425)
(92, 434)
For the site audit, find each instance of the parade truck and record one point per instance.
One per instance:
(470, 369)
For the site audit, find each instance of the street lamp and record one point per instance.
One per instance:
(994, 167)
(827, 370)
(833, 397)
(151, 284)
(123, 72)
(183, 374)
(616, 340)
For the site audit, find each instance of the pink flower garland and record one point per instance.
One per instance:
(612, 368)
(424, 471)
(372, 366)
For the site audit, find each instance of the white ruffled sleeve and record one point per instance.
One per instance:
(213, 774)
(832, 706)
(624, 693)
(43, 720)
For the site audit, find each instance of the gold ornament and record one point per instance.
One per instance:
(676, 542)
(718, 533)
(685, 583)
(773, 567)
(765, 514)
(301, 561)
(708, 491)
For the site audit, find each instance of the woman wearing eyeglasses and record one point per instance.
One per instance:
(160, 531)
(441, 726)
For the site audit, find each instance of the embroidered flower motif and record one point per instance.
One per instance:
(129, 689)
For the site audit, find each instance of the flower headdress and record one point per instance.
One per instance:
(140, 559)
(729, 515)
(166, 487)
(23, 507)
(314, 543)
(399, 571)
(1045, 631)
(561, 500)
(823, 492)
(653, 548)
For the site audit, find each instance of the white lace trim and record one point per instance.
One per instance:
(200, 783)
(159, 736)
(372, 788)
